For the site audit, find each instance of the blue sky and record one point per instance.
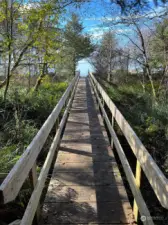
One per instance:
(93, 16)
(96, 16)
(84, 66)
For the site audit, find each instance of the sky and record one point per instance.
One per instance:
(92, 15)
(96, 16)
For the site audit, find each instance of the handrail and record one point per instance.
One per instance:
(35, 197)
(154, 175)
(12, 184)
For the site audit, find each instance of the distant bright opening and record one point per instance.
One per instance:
(84, 66)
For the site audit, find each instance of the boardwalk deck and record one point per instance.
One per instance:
(86, 186)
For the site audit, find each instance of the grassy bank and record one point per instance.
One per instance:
(150, 121)
(21, 116)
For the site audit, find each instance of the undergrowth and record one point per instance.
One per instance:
(21, 116)
(150, 121)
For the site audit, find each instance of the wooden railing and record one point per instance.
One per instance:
(156, 178)
(26, 165)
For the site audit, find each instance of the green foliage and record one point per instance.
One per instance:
(8, 157)
(148, 120)
(159, 45)
(77, 45)
(104, 61)
(22, 115)
(40, 104)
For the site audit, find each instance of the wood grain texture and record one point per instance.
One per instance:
(12, 184)
(35, 197)
(16, 222)
(86, 186)
(156, 178)
(127, 169)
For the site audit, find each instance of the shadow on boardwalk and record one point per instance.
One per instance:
(89, 191)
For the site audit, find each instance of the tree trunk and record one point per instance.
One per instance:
(29, 78)
(38, 82)
(74, 65)
(7, 78)
(9, 30)
(108, 77)
(151, 82)
(148, 70)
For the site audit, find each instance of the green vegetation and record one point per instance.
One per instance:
(40, 47)
(21, 117)
(38, 59)
(150, 121)
(140, 93)
(34, 53)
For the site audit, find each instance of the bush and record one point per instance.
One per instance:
(21, 116)
(150, 121)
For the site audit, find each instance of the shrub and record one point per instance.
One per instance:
(21, 116)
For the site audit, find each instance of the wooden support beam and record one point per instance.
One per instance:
(57, 124)
(33, 181)
(138, 183)
(16, 222)
(112, 124)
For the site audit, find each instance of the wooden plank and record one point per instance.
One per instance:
(156, 178)
(16, 222)
(33, 175)
(83, 190)
(112, 124)
(35, 197)
(33, 181)
(127, 169)
(82, 213)
(138, 183)
(10, 187)
(87, 179)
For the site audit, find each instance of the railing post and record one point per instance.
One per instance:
(94, 87)
(103, 102)
(57, 123)
(33, 181)
(138, 183)
(112, 124)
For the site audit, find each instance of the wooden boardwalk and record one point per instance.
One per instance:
(86, 186)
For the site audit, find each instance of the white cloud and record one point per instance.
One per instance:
(103, 19)
(97, 33)
(150, 14)
(28, 6)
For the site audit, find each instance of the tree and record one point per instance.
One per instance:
(136, 5)
(104, 59)
(21, 26)
(140, 43)
(76, 45)
(47, 47)
(159, 50)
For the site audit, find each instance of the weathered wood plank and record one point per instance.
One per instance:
(138, 183)
(86, 186)
(158, 181)
(83, 213)
(35, 197)
(16, 222)
(10, 187)
(127, 169)
(33, 181)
